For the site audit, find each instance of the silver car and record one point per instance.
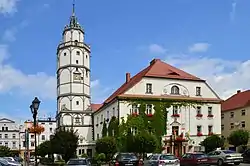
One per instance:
(78, 162)
(162, 160)
(221, 157)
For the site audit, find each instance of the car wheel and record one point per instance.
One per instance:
(220, 162)
(236, 163)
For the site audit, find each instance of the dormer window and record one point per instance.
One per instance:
(77, 119)
(148, 88)
(175, 90)
(198, 91)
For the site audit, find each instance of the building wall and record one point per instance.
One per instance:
(161, 86)
(9, 134)
(229, 124)
(105, 114)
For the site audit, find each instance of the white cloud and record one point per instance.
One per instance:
(9, 35)
(225, 77)
(8, 6)
(155, 48)
(199, 47)
(99, 92)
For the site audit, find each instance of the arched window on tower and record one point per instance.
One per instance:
(76, 42)
(175, 90)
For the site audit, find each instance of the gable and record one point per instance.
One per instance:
(5, 120)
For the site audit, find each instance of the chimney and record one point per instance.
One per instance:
(238, 91)
(153, 61)
(127, 77)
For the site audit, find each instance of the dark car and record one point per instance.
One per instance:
(246, 156)
(79, 162)
(127, 159)
(194, 159)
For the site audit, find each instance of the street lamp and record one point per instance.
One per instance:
(34, 108)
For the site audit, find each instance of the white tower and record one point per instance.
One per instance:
(73, 85)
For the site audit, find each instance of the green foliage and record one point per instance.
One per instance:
(212, 142)
(84, 155)
(106, 145)
(104, 129)
(65, 143)
(144, 142)
(44, 149)
(5, 151)
(113, 127)
(238, 138)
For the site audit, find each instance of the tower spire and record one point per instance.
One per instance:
(73, 9)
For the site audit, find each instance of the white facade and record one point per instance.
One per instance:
(187, 123)
(73, 85)
(9, 134)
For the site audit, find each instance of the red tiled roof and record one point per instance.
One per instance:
(238, 100)
(157, 69)
(95, 107)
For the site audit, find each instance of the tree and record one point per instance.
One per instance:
(104, 129)
(37, 129)
(44, 149)
(212, 142)
(65, 142)
(5, 151)
(145, 142)
(106, 145)
(238, 138)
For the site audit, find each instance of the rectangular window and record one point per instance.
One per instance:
(13, 136)
(198, 109)
(2, 128)
(231, 114)
(6, 144)
(32, 144)
(149, 109)
(243, 124)
(77, 102)
(199, 129)
(43, 137)
(50, 129)
(198, 91)
(243, 112)
(148, 88)
(222, 116)
(135, 109)
(6, 128)
(113, 111)
(76, 61)
(43, 123)
(231, 125)
(210, 111)
(50, 123)
(107, 114)
(5, 135)
(14, 145)
(0, 135)
(175, 109)
(24, 144)
(101, 118)
(32, 136)
(222, 127)
(98, 136)
(77, 52)
(210, 129)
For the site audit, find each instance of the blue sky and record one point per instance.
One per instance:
(208, 38)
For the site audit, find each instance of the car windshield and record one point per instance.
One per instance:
(77, 162)
(199, 155)
(167, 157)
(125, 156)
(228, 151)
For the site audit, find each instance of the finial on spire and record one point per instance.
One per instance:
(73, 10)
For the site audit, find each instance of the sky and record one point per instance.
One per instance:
(209, 39)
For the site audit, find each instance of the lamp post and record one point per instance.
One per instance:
(34, 108)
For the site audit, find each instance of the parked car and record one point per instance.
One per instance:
(127, 159)
(220, 157)
(246, 156)
(194, 159)
(162, 160)
(9, 162)
(79, 162)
